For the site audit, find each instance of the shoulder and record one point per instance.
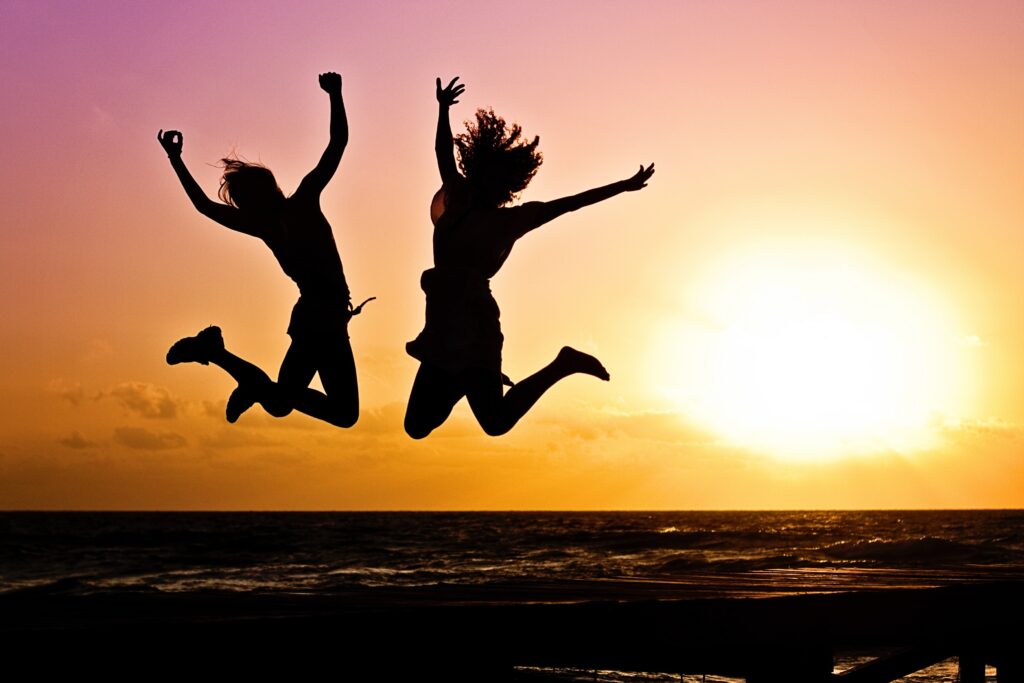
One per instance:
(438, 205)
(304, 195)
(453, 198)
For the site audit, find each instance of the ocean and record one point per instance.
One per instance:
(701, 554)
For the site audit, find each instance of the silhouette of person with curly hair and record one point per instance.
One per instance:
(301, 239)
(460, 346)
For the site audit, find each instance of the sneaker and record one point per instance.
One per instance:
(240, 400)
(197, 349)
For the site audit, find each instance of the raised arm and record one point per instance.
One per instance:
(317, 179)
(536, 214)
(443, 148)
(228, 216)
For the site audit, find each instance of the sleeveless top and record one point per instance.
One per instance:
(462, 328)
(303, 243)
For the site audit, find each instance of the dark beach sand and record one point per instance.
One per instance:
(738, 628)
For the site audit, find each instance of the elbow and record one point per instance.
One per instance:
(336, 147)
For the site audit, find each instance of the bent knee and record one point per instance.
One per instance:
(417, 430)
(277, 408)
(345, 419)
(495, 427)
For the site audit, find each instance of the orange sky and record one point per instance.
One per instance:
(886, 135)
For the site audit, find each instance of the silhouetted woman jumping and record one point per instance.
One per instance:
(459, 348)
(301, 239)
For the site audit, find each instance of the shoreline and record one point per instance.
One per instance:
(628, 626)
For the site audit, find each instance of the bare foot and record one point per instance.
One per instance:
(576, 361)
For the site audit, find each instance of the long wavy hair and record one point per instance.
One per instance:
(247, 185)
(497, 161)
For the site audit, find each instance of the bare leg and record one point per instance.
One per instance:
(208, 347)
(498, 413)
(292, 390)
(241, 370)
(434, 394)
(339, 406)
(337, 369)
(254, 386)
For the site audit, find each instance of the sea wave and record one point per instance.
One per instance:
(339, 551)
(927, 550)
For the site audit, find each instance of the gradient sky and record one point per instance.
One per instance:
(881, 139)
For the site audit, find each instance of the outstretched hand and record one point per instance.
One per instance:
(448, 95)
(171, 141)
(639, 179)
(330, 82)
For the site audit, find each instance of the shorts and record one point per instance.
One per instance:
(319, 322)
(463, 328)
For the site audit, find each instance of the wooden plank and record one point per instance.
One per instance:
(895, 665)
(437, 631)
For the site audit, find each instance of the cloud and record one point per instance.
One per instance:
(989, 428)
(146, 400)
(215, 408)
(143, 439)
(98, 349)
(237, 437)
(664, 426)
(386, 419)
(71, 392)
(256, 418)
(77, 441)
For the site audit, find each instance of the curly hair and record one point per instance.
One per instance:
(496, 160)
(245, 183)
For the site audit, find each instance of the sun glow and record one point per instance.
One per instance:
(814, 352)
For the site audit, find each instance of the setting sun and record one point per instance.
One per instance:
(814, 351)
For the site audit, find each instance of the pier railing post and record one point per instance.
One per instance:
(972, 667)
(1010, 666)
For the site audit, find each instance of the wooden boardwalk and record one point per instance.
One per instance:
(454, 633)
